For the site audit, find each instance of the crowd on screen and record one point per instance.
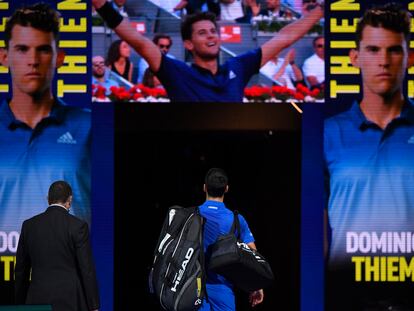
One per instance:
(244, 10)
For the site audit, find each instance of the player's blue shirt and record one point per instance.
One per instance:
(58, 148)
(219, 220)
(371, 181)
(195, 84)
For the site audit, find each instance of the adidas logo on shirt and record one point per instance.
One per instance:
(411, 140)
(232, 75)
(66, 139)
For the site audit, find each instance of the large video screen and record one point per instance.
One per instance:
(369, 156)
(157, 57)
(45, 118)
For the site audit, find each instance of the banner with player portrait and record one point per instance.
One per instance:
(369, 156)
(45, 120)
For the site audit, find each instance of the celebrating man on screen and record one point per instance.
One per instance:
(41, 139)
(369, 154)
(205, 80)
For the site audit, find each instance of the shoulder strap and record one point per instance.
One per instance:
(202, 257)
(235, 227)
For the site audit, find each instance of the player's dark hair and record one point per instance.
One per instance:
(390, 16)
(216, 181)
(187, 24)
(39, 16)
(59, 192)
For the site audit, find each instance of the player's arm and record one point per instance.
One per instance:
(257, 296)
(122, 27)
(252, 246)
(290, 34)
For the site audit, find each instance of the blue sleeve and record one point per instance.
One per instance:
(171, 71)
(245, 234)
(246, 65)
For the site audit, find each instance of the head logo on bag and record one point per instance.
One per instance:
(182, 270)
(177, 276)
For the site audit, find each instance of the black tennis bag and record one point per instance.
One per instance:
(177, 276)
(238, 263)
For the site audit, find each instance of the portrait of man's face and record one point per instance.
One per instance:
(382, 57)
(32, 59)
(205, 40)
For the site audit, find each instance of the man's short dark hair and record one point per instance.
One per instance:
(158, 36)
(187, 24)
(316, 39)
(216, 181)
(39, 16)
(390, 16)
(59, 192)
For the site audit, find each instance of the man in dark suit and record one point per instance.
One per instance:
(54, 246)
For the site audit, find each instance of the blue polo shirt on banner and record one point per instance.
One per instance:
(195, 84)
(218, 222)
(58, 148)
(370, 174)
